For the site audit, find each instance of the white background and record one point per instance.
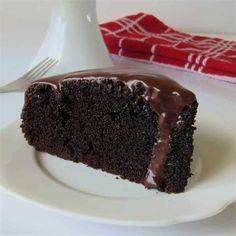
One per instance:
(28, 28)
(198, 16)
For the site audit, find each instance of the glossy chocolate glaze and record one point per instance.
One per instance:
(166, 97)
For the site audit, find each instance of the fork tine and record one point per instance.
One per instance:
(21, 83)
(43, 70)
(36, 67)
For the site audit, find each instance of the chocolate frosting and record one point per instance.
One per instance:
(166, 98)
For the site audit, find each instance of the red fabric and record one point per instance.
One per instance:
(144, 37)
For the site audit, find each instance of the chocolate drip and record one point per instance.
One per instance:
(166, 97)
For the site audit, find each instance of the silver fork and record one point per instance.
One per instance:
(35, 73)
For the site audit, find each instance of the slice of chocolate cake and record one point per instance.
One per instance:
(136, 125)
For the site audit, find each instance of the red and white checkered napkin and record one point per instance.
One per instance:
(144, 37)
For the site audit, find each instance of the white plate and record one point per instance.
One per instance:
(90, 194)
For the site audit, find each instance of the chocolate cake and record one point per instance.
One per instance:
(137, 125)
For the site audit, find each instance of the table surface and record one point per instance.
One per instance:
(21, 218)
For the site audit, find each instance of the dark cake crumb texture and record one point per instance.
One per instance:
(135, 126)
